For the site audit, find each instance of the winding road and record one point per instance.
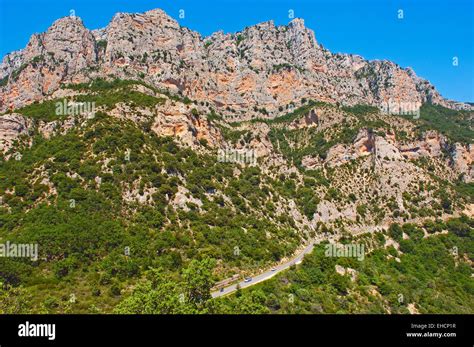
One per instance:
(265, 275)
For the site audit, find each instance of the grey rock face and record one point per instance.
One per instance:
(57, 56)
(257, 72)
(11, 127)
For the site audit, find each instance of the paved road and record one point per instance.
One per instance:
(267, 274)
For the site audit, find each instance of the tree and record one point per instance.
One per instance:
(164, 294)
(160, 294)
(395, 232)
(199, 280)
(14, 300)
(13, 271)
(458, 227)
(253, 302)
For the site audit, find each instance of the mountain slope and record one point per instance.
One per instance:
(112, 145)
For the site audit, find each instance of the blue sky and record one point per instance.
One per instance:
(431, 33)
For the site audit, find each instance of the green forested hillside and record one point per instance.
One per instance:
(433, 274)
(129, 221)
(456, 125)
(425, 275)
(84, 226)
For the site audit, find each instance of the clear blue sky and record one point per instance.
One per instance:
(430, 35)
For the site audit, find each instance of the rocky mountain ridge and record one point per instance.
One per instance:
(261, 72)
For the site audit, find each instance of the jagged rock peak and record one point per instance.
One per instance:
(67, 21)
(297, 23)
(156, 16)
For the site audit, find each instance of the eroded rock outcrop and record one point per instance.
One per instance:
(12, 126)
(387, 151)
(463, 160)
(178, 121)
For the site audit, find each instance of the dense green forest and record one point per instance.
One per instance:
(431, 273)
